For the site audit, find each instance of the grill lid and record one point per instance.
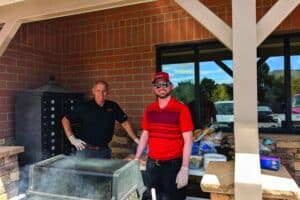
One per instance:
(51, 86)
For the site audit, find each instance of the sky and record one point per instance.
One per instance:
(185, 71)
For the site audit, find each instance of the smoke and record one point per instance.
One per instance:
(68, 176)
(83, 178)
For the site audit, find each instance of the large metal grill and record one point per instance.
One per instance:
(66, 177)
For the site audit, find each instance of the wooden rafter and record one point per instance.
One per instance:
(7, 32)
(280, 10)
(7, 2)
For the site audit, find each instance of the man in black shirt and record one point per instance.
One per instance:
(97, 118)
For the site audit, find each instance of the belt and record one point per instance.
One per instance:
(94, 147)
(163, 162)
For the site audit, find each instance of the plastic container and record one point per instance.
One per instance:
(213, 157)
(268, 162)
(195, 148)
(196, 162)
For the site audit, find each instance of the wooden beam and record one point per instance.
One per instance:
(35, 10)
(6, 2)
(209, 20)
(224, 67)
(267, 24)
(7, 33)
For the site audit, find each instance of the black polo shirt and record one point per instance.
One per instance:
(97, 123)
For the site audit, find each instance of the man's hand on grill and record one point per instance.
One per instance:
(79, 144)
(182, 177)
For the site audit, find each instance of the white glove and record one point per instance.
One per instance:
(79, 144)
(136, 140)
(182, 177)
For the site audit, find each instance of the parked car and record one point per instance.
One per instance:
(295, 111)
(265, 114)
(266, 118)
(224, 112)
(296, 104)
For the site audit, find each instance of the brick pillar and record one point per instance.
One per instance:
(9, 171)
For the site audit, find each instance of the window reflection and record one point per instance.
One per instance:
(206, 69)
(216, 80)
(295, 81)
(182, 77)
(270, 81)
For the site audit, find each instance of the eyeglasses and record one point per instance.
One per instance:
(159, 85)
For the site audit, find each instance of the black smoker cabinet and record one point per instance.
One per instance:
(38, 115)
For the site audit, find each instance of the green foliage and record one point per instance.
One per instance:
(269, 86)
(209, 85)
(184, 91)
(295, 85)
(220, 93)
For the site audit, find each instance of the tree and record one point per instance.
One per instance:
(209, 85)
(263, 81)
(295, 85)
(220, 93)
(184, 91)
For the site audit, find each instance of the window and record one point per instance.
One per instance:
(270, 81)
(202, 76)
(295, 81)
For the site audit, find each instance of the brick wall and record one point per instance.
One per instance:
(117, 45)
(28, 61)
(288, 149)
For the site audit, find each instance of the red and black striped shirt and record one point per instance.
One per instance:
(165, 127)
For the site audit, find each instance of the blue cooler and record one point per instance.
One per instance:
(268, 162)
(195, 148)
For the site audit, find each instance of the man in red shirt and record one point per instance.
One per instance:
(167, 129)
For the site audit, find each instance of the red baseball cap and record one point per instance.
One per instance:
(161, 75)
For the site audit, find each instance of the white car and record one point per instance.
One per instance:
(266, 119)
(224, 112)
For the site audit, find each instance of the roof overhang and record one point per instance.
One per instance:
(7, 2)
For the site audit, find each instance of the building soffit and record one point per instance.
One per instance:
(15, 12)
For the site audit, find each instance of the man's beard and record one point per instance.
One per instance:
(164, 96)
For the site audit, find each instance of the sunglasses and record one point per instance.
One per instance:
(159, 85)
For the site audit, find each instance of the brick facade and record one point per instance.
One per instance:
(288, 150)
(116, 45)
(27, 63)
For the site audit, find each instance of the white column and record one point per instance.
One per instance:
(247, 180)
